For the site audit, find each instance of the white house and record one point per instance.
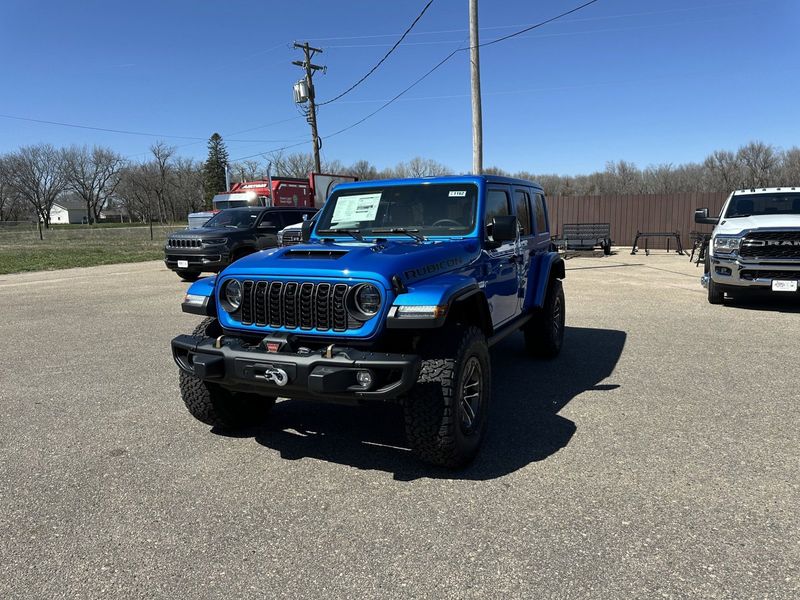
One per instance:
(68, 210)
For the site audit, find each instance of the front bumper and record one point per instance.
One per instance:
(198, 262)
(328, 374)
(745, 273)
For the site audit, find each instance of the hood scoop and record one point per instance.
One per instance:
(315, 254)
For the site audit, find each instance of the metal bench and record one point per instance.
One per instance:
(585, 236)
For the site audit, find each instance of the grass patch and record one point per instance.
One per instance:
(78, 246)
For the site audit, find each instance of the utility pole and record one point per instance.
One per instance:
(475, 79)
(311, 114)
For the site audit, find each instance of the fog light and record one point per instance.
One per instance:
(723, 271)
(364, 379)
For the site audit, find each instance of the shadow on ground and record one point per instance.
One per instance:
(767, 301)
(524, 424)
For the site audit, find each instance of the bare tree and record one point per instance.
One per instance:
(495, 170)
(162, 156)
(790, 167)
(93, 175)
(723, 169)
(425, 167)
(140, 191)
(335, 167)
(9, 198)
(248, 170)
(36, 174)
(759, 163)
(188, 186)
(363, 169)
(298, 165)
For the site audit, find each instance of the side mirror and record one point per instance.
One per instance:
(701, 216)
(305, 230)
(504, 229)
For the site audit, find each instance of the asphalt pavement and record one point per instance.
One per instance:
(657, 457)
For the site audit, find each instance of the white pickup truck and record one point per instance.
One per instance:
(755, 244)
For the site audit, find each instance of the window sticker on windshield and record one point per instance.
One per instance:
(363, 207)
(457, 193)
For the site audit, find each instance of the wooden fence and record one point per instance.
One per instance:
(642, 212)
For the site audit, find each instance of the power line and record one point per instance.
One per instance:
(495, 27)
(76, 126)
(385, 56)
(537, 25)
(233, 160)
(451, 55)
(145, 134)
(423, 77)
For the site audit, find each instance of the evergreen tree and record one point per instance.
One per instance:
(214, 168)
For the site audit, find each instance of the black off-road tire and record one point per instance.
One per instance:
(216, 406)
(716, 294)
(189, 276)
(607, 248)
(544, 333)
(435, 414)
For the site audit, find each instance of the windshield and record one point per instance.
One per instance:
(429, 209)
(763, 204)
(223, 204)
(237, 200)
(235, 219)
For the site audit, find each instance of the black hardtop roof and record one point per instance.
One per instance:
(510, 181)
(444, 179)
(265, 208)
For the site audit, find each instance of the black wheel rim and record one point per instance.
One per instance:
(471, 395)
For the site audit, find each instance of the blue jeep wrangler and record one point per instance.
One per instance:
(396, 295)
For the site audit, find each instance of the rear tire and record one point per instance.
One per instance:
(544, 333)
(607, 248)
(447, 410)
(216, 406)
(189, 276)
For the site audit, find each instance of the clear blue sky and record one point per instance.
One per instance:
(650, 81)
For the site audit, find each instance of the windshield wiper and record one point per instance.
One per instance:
(355, 233)
(412, 233)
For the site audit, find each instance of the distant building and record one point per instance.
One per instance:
(68, 209)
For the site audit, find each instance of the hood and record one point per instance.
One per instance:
(203, 232)
(739, 224)
(409, 260)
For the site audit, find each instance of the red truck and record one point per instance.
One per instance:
(276, 191)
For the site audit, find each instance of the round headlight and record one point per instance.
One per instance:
(367, 300)
(233, 294)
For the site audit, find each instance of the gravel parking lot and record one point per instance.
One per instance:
(657, 457)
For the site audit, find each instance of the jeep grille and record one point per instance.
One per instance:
(296, 305)
(771, 244)
(183, 243)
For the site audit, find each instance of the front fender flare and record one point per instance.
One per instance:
(439, 292)
(202, 288)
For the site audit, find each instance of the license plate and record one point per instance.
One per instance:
(184, 264)
(780, 285)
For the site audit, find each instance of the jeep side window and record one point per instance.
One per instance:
(497, 205)
(523, 202)
(539, 214)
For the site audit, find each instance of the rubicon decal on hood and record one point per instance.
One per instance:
(442, 265)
